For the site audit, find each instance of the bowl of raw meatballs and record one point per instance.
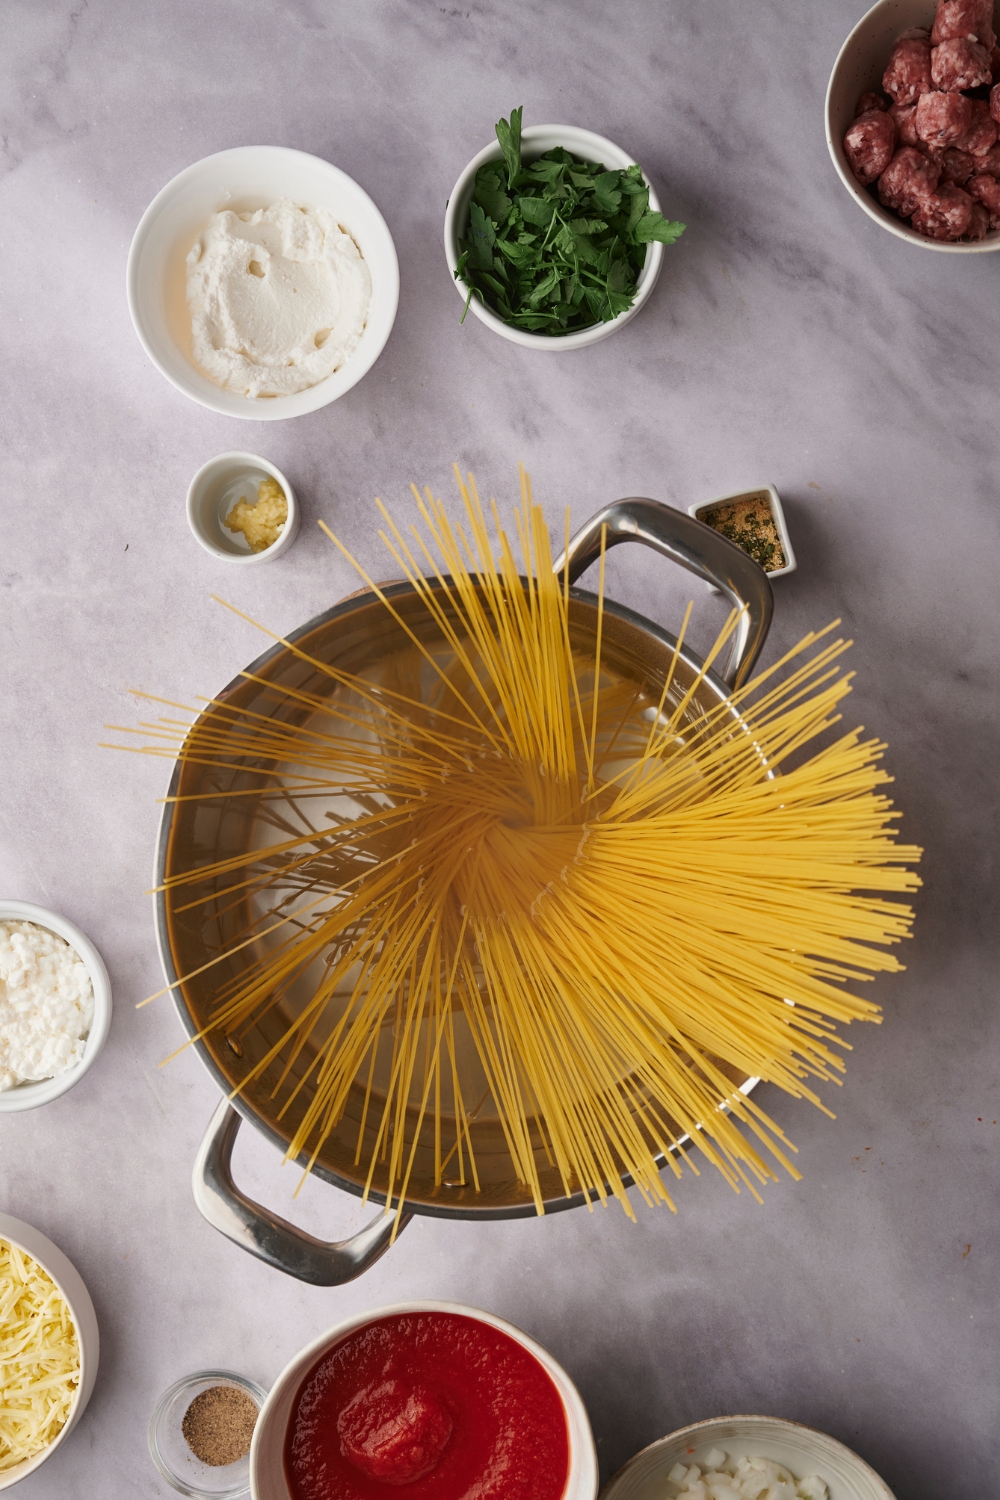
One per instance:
(913, 121)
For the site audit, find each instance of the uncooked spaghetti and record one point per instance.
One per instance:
(625, 898)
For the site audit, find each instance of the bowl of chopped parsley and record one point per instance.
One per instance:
(553, 236)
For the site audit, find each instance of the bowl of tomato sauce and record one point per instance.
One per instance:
(423, 1401)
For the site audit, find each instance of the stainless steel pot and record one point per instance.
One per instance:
(196, 833)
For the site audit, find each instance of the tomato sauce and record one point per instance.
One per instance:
(441, 1406)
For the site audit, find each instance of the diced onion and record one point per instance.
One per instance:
(743, 1479)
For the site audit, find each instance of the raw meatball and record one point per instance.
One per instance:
(908, 179)
(978, 224)
(995, 102)
(990, 163)
(957, 166)
(909, 72)
(868, 102)
(960, 64)
(869, 144)
(905, 116)
(961, 18)
(945, 215)
(943, 119)
(982, 132)
(986, 190)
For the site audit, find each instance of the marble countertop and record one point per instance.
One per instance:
(790, 340)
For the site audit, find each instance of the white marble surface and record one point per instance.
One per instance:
(789, 339)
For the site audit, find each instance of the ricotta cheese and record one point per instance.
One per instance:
(46, 1004)
(278, 298)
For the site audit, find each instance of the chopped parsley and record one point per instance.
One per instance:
(558, 245)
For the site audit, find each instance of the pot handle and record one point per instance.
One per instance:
(694, 546)
(264, 1234)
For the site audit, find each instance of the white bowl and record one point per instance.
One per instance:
(215, 489)
(248, 178)
(779, 522)
(28, 1095)
(858, 70)
(67, 1278)
(535, 141)
(267, 1467)
(800, 1449)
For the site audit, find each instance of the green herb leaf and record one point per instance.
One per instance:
(542, 290)
(597, 302)
(482, 238)
(653, 226)
(546, 169)
(565, 241)
(637, 208)
(617, 276)
(608, 192)
(509, 136)
(520, 254)
(491, 196)
(536, 210)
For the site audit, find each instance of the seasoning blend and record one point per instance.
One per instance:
(200, 1433)
(755, 521)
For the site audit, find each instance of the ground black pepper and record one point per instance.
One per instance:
(219, 1423)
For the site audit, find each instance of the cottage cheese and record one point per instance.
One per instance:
(46, 1004)
(278, 298)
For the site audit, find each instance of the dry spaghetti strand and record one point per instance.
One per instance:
(596, 880)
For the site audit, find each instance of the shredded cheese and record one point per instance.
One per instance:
(39, 1358)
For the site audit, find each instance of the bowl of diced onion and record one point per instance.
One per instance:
(47, 1317)
(746, 1458)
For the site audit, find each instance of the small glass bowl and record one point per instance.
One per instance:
(168, 1446)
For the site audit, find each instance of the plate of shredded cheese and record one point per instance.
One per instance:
(48, 1349)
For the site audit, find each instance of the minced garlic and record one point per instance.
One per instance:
(261, 523)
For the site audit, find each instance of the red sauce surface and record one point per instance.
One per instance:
(439, 1406)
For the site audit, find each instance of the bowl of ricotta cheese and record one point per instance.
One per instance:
(263, 282)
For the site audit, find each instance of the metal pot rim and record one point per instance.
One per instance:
(248, 1113)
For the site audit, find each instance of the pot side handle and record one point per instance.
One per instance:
(694, 546)
(264, 1234)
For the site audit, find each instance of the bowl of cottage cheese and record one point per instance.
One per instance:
(263, 282)
(55, 1005)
